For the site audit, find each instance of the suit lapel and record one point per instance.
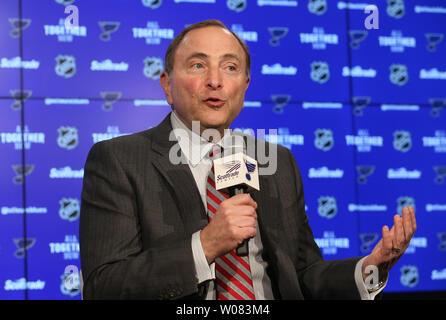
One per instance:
(179, 177)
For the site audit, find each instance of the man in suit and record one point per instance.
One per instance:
(146, 231)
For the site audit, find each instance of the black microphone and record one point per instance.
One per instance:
(242, 250)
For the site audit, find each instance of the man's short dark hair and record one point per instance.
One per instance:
(170, 53)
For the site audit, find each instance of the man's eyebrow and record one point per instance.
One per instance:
(204, 56)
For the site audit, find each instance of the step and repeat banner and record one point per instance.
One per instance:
(359, 101)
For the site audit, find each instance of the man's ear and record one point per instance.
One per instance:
(165, 84)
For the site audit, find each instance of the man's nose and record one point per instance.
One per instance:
(214, 79)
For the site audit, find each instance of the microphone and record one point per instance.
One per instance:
(238, 174)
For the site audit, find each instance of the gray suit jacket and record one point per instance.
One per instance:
(139, 212)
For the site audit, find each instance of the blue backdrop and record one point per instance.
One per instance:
(363, 111)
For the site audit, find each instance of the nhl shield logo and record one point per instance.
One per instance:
(395, 8)
(152, 4)
(320, 72)
(153, 67)
(409, 276)
(68, 137)
(65, 66)
(65, 2)
(70, 284)
(237, 5)
(402, 140)
(318, 7)
(323, 139)
(404, 202)
(327, 207)
(398, 74)
(69, 209)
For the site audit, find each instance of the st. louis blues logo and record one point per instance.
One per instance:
(404, 202)
(69, 209)
(320, 72)
(21, 171)
(19, 96)
(433, 40)
(409, 276)
(65, 66)
(277, 33)
(153, 67)
(327, 207)
(323, 139)
(251, 167)
(402, 140)
(395, 8)
(22, 246)
(356, 37)
(367, 241)
(152, 4)
(18, 25)
(280, 100)
(237, 5)
(437, 104)
(441, 173)
(108, 27)
(360, 103)
(442, 238)
(363, 173)
(318, 7)
(68, 137)
(398, 74)
(110, 97)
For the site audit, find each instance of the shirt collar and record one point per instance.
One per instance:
(193, 146)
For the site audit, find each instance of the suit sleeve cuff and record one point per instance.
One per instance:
(203, 271)
(363, 292)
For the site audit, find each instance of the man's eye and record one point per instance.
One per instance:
(231, 68)
(197, 65)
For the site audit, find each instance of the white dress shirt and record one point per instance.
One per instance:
(200, 166)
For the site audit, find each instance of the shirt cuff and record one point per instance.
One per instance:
(203, 271)
(363, 292)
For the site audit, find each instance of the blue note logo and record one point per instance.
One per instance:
(108, 27)
(317, 7)
(363, 173)
(65, 66)
(404, 202)
(277, 33)
(356, 37)
(402, 140)
(398, 74)
(367, 241)
(409, 276)
(327, 207)
(110, 97)
(153, 67)
(395, 8)
(442, 241)
(22, 246)
(18, 25)
(323, 139)
(21, 171)
(441, 173)
(69, 209)
(237, 5)
(68, 137)
(280, 100)
(433, 40)
(320, 72)
(152, 4)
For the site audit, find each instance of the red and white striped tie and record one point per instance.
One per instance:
(233, 273)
